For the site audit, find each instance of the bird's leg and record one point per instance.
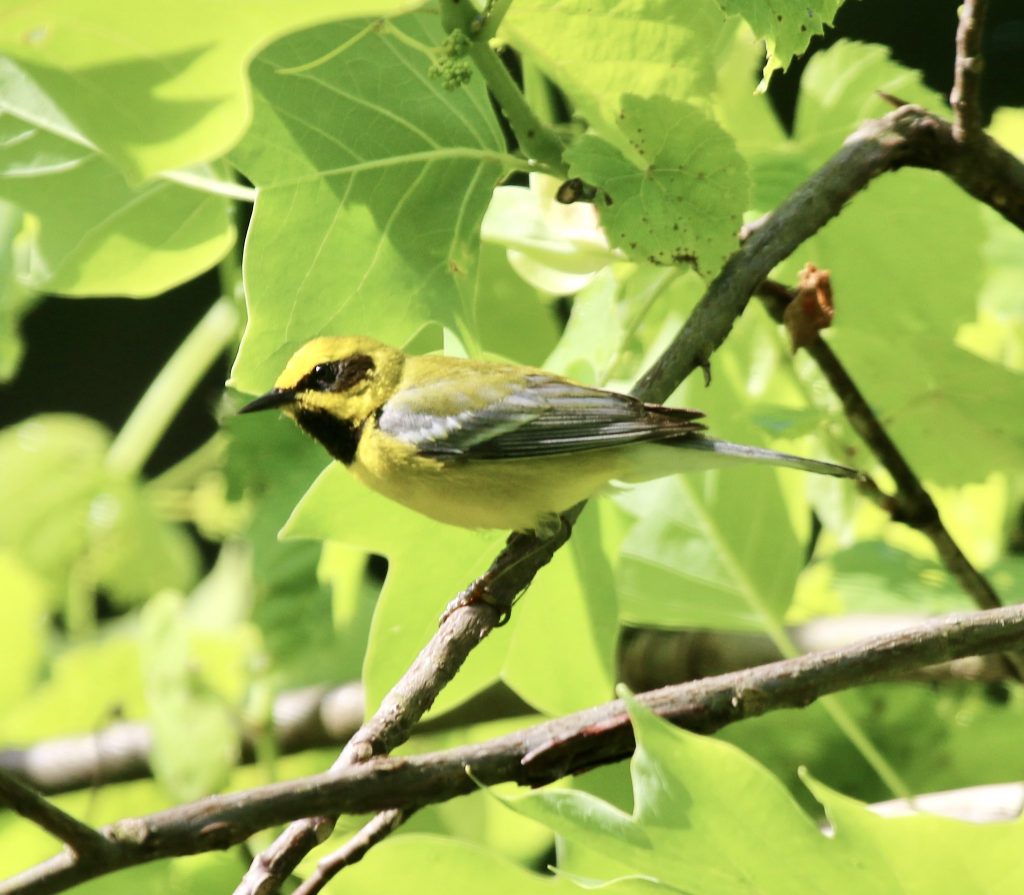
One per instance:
(498, 586)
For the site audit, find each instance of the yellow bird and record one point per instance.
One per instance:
(489, 445)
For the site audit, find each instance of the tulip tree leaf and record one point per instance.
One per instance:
(160, 90)
(371, 191)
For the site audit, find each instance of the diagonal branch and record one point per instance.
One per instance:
(911, 504)
(966, 95)
(531, 757)
(83, 841)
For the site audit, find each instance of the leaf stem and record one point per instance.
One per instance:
(536, 140)
(165, 396)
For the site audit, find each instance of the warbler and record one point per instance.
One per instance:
(489, 445)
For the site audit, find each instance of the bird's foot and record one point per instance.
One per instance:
(478, 592)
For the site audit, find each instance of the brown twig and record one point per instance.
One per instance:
(382, 825)
(966, 95)
(83, 841)
(911, 504)
(532, 757)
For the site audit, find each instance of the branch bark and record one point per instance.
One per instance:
(531, 757)
(911, 504)
(314, 717)
(84, 842)
(965, 98)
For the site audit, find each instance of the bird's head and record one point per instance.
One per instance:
(332, 385)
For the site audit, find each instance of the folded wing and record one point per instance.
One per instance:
(524, 416)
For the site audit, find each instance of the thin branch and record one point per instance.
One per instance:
(911, 504)
(531, 757)
(966, 96)
(319, 716)
(390, 725)
(83, 840)
(383, 824)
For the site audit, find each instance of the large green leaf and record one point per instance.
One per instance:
(429, 563)
(955, 415)
(371, 191)
(678, 196)
(719, 549)
(92, 232)
(708, 820)
(159, 88)
(597, 51)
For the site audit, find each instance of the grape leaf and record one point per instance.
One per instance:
(680, 195)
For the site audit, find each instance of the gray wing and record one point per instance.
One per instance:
(538, 415)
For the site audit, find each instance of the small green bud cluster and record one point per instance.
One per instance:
(451, 67)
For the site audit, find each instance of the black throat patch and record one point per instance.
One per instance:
(340, 437)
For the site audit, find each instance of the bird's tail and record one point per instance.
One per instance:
(763, 455)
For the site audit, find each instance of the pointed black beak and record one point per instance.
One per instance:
(274, 398)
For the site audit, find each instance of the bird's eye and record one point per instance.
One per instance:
(322, 376)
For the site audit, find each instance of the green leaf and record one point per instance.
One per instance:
(597, 51)
(444, 865)
(162, 90)
(839, 90)
(709, 820)
(955, 415)
(373, 192)
(271, 463)
(512, 318)
(719, 549)
(93, 232)
(430, 563)
(679, 197)
(924, 853)
(196, 740)
(708, 550)
(873, 576)
(15, 299)
(706, 819)
(786, 26)
(68, 517)
(110, 672)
